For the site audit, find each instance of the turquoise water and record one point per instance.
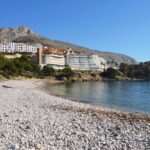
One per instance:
(127, 95)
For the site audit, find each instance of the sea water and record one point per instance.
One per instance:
(126, 95)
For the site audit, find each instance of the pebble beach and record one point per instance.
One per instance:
(31, 119)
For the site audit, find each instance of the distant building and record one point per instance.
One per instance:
(21, 47)
(7, 47)
(54, 57)
(59, 58)
(53, 60)
(85, 62)
(12, 47)
(103, 64)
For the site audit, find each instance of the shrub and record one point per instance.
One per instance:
(18, 66)
(124, 68)
(68, 72)
(48, 71)
(10, 69)
(3, 61)
(110, 73)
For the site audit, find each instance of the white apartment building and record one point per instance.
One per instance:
(103, 64)
(12, 47)
(58, 60)
(53, 60)
(85, 62)
(21, 47)
(8, 47)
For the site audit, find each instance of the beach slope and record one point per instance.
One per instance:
(32, 119)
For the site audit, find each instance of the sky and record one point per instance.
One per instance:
(120, 26)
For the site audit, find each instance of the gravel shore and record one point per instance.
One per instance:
(31, 119)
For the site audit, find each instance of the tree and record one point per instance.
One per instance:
(110, 73)
(10, 69)
(124, 68)
(3, 61)
(48, 71)
(68, 72)
(18, 66)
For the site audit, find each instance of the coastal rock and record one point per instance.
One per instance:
(37, 146)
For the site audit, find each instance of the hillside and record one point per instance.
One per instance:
(23, 34)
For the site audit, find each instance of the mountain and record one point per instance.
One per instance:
(11, 34)
(24, 34)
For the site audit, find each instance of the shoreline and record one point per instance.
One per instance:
(33, 119)
(44, 82)
(88, 106)
(111, 108)
(99, 108)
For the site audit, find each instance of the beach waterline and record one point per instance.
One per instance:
(125, 95)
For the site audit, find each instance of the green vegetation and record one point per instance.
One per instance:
(24, 66)
(48, 71)
(67, 72)
(124, 68)
(139, 71)
(3, 61)
(110, 73)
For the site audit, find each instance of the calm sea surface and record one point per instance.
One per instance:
(126, 95)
